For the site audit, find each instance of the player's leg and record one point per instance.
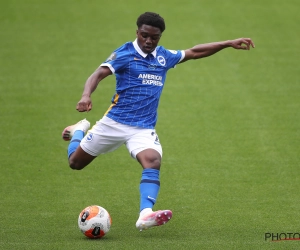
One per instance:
(105, 136)
(78, 158)
(150, 160)
(145, 147)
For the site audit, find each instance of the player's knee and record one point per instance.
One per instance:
(154, 163)
(149, 159)
(75, 165)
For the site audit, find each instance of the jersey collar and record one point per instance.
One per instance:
(137, 48)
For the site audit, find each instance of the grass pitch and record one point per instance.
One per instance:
(229, 126)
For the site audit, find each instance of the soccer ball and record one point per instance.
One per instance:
(94, 221)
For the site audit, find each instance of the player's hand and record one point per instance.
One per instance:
(242, 43)
(85, 104)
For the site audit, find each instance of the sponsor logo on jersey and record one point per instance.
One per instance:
(151, 79)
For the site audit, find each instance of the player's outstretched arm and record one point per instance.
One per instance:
(208, 49)
(85, 103)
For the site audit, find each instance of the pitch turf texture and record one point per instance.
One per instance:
(229, 126)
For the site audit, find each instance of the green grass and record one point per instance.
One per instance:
(229, 125)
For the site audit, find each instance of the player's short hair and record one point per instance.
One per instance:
(152, 19)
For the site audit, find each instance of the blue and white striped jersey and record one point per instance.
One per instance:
(140, 79)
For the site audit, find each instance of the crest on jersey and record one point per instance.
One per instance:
(89, 137)
(161, 60)
(113, 56)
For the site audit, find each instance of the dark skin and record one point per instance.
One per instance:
(147, 39)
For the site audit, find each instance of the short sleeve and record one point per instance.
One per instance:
(118, 59)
